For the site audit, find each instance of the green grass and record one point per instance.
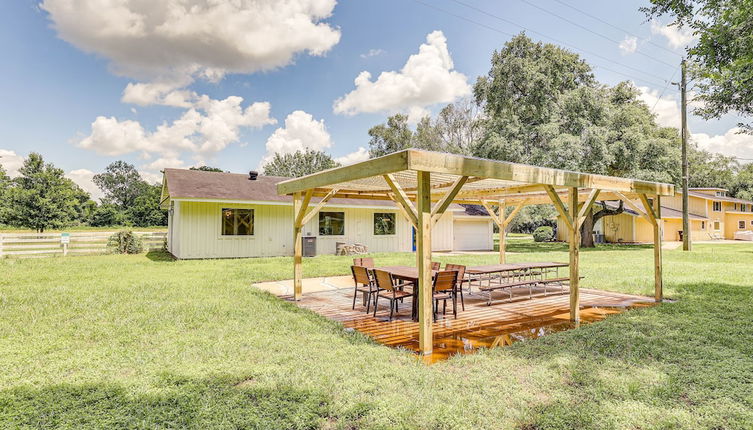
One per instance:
(82, 228)
(147, 342)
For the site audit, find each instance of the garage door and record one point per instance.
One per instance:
(472, 235)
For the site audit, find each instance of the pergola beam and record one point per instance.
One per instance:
(557, 202)
(318, 207)
(402, 199)
(634, 207)
(441, 206)
(586, 206)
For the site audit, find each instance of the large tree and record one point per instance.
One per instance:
(722, 59)
(4, 195)
(299, 164)
(120, 183)
(146, 211)
(41, 197)
(455, 129)
(543, 107)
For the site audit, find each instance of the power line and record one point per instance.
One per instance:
(561, 42)
(615, 27)
(664, 89)
(590, 31)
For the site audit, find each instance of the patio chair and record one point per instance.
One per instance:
(389, 289)
(461, 279)
(367, 262)
(435, 265)
(445, 288)
(363, 284)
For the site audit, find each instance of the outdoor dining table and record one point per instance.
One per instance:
(408, 274)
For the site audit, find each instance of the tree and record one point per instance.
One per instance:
(42, 197)
(722, 59)
(121, 183)
(207, 169)
(391, 137)
(543, 107)
(4, 195)
(146, 211)
(300, 163)
(107, 215)
(455, 130)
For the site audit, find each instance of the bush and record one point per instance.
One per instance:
(125, 242)
(543, 234)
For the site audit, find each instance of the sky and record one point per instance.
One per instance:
(228, 84)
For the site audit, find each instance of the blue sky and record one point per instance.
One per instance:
(66, 68)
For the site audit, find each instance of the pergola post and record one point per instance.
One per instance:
(297, 247)
(658, 284)
(502, 232)
(423, 262)
(574, 255)
(653, 210)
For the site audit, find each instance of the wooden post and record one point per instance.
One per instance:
(502, 232)
(658, 287)
(423, 262)
(574, 251)
(297, 247)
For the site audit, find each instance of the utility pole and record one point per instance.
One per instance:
(686, 243)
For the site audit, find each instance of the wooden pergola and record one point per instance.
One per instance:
(423, 184)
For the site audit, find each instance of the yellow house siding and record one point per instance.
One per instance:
(619, 228)
(733, 219)
(696, 205)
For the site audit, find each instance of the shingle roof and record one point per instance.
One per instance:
(197, 184)
(718, 198)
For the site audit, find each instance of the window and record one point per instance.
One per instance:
(751, 223)
(741, 225)
(717, 225)
(703, 225)
(718, 193)
(237, 222)
(743, 207)
(384, 224)
(717, 207)
(331, 223)
(735, 206)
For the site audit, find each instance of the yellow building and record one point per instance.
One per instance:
(713, 215)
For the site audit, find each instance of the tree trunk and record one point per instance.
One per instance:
(587, 229)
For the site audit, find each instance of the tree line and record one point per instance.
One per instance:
(42, 198)
(540, 104)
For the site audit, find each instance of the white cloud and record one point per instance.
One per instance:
(676, 37)
(205, 38)
(83, 178)
(426, 79)
(373, 53)
(206, 128)
(628, 45)
(11, 162)
(151, 177)
(362, 154)
(159, 93)
(301, 131)
(666, 108)
(731, 143)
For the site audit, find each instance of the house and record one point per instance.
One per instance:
(713, 215)
(228, 215)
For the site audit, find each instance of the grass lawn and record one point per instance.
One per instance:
(146, 342)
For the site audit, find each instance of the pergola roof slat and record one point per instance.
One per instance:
(489, 179)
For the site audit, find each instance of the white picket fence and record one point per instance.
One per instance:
(84, 242)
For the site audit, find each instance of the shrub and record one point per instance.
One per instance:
(125, 242)
(543, 234)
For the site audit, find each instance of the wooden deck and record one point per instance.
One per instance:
(479, 326)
